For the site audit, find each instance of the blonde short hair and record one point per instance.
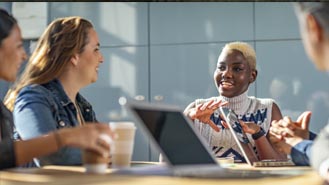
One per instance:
(247, 51)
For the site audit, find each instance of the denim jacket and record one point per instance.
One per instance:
(301, 153)
(40, 109)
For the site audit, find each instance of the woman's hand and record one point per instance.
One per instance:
(92, 136)
(249, 127)
(203, 112)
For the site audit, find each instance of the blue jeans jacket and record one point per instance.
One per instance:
(301, 153)
(40, 109)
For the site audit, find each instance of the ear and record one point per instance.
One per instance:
(75, 60)
(314, 29)
(253, 75)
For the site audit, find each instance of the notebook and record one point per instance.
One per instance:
(244, 144)
(184, 150)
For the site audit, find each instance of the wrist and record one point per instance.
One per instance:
(62, 138)
(258, 134)
(58, 140)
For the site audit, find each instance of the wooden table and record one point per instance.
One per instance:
(75, 176)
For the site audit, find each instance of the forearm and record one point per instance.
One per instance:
(301, 153)
(26, 150)
(266, 151)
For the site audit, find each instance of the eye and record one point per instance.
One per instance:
(238, 69)
(221, 68)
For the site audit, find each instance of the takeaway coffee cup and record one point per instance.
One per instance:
(94, 162)
(123, 144)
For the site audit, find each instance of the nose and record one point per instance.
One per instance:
(24, 55)
(101, 58)
(227, 73)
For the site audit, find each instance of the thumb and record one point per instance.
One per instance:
(304, 119)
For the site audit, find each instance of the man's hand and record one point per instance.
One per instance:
(285, 133)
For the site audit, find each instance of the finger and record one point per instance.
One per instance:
(210, 103)
(222, 103)
(306, 120)
(105, 152)
(242, 123)
(287, 119)
(214, 105)
(206, 105)
(285, 124)
(213, 125)
(105, 143)
(276, 131)
(274, 123)
(225, 125)
(286, 132)
(104, 128)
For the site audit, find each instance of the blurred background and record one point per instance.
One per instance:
(166, 52)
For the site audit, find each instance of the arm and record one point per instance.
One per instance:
(34, 118)
(263, 145)
(293, 137)
(26, 150)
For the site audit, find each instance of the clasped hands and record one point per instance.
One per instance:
(285, 133)
(203, 112)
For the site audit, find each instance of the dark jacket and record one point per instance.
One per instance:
(7, 153)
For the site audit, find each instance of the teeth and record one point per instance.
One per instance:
(226, 83)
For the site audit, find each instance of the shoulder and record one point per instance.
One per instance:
(33, 89)
(32, 93)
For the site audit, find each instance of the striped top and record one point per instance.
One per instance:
(248, 109)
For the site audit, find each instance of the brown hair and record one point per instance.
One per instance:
(62, 39)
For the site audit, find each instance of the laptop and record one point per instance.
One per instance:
(244, 144)
(183, 148)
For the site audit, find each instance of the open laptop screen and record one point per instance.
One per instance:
(175, 136)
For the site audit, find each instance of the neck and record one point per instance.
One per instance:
(70, 85)
(238, 103)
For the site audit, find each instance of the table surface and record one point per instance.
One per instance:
(75, 175)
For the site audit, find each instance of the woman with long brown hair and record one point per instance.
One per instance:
(15, 153)
(46, 98)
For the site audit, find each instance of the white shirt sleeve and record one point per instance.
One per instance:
(324, 168)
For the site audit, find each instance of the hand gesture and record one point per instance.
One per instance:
(203, 112)
(285, 133)
(249, 127)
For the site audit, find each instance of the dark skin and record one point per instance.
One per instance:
(232, 77)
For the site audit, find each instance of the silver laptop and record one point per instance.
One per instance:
(244, 144)
(184, 150)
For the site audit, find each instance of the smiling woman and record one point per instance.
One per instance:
(236, 70)
(15, 153)
(46, 98)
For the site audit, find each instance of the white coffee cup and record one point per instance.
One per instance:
(123, 144)
(94, 162)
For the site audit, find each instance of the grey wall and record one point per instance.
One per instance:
(167, 52)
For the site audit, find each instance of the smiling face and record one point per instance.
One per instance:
(233, 73)
(12, 55)
(90, 58)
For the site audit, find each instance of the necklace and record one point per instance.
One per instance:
(81, 120)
